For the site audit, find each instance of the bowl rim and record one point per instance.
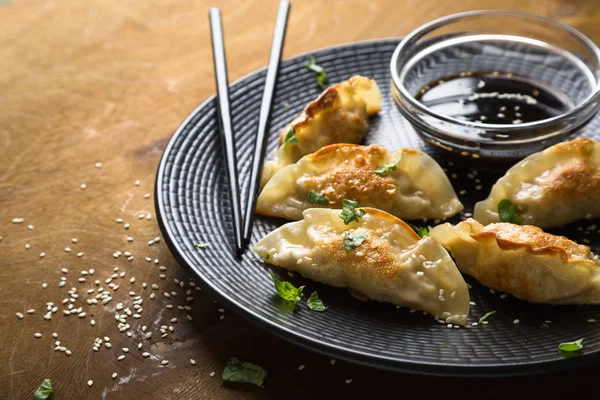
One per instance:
(594, 96)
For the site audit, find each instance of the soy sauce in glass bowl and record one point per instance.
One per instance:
(496, 84)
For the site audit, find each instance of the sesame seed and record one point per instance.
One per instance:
(137, 183)
(44, 285)
(516, 321)
(212, 374)
(129, 239)
(92, 322)
(30, 311)
(18, 220)
(42, 254)
(121, 357)
(332, 361)
(141, 216)
(192, 361)
(98, 165)
(30, 227)
(147, 196)
(348, 381)
(80, 254)
(90, 383)
(20, 315)
(114, 375)
(68, 352)
(222, 317)
(83, 186)
(301, 367)
(127, 225)
(164, 362)
(54, 334)
(73, 240)
(27, 246)
(81, 315)
(37, 335)
(119, 220)
(149, 216)
(503, 295)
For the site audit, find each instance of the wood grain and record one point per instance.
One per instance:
(109, 81)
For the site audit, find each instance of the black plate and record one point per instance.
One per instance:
(193, 206)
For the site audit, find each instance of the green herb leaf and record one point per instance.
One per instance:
(387, 168)
(267, 256)
(319, 71)
(314, 303)
(507, 212)
(243, 372)
(200, 245)
(317, 198)
(287, 291)
(353, 240)
(571, 346)
(44, 391)
(290, 137)
(350, 212)
(487, 316)
(421, 230)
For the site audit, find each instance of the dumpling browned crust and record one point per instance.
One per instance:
(551, 188)
(524, 261)
(392, 264)
(415, 188)
(339, 115)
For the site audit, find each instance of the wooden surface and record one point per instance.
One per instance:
(109, 81)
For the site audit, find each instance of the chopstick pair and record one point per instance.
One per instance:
(242, 232)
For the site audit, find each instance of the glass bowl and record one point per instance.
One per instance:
(513, 46)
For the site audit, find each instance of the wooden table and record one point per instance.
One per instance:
(108, 81)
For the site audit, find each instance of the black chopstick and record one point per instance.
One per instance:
(227, 138)
(265, 113)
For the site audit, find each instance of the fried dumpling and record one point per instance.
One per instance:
(408, 183)
(524, 261)
(551, 188)
(379, 256)
(339, 115)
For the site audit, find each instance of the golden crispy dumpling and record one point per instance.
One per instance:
(378, 255)
(339, 115)
(413, 186)
(551, 188)
(524, 261)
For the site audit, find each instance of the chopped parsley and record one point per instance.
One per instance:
(290, 137)
(267, 256)
(487, 316)
(319, 71)
(571, 346)
(421, 230)
(243, 372)
(287, 291)
(387, 168)
(317, 198)
(353, 240)
(507, 213)
(350, 212)
(314, 303)
(44, 391)
(200, 245)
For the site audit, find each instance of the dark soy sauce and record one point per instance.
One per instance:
(494, 98)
